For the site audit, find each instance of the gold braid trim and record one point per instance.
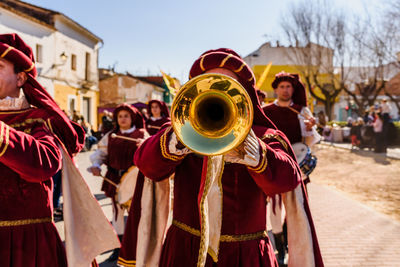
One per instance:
(6, 51)
(261, 167)
(164, 149)
(201, 261)
(277, 137)
(126, 263)
(6, 140)
(225, 60)
(264, 162)
(251, 79)
(240, 68)
(223, 238)
(201, 63)
(30, 68)
(25, 222)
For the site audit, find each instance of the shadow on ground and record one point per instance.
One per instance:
(378, 157)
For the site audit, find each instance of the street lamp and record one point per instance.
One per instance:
(63, 58)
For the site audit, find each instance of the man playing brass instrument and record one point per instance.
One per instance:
(263, 165)
(290, 114)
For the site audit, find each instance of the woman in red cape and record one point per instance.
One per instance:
(159, 115)
(116, 151)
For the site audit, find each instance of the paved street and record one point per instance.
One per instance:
(350, 234)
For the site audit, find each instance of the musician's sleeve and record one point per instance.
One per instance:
(154, 158)
(277, 171)
(35, 156)
(100, 155)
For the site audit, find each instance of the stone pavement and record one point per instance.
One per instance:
(350, 233)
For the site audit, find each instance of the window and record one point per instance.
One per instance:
(87, 67)
(73, 62)
(39, 55)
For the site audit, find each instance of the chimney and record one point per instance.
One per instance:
(277, 43)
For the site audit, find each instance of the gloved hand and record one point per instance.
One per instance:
(176, 147)
(247, 153)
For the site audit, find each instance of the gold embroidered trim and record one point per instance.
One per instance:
(15, 111)
(277, 137)
(25, 222)
(164, 149)
(224, 61)
(127, 263)
(30, 68)
(26, 122)
(240, 68)
(223, 238)
(201, 63)
(2, 126)
(6, 140)
(250, 79)
(6, 51)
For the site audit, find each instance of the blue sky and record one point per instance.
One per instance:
(143, 36)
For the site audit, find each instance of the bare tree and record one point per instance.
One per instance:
(373, 43)
(318, 36)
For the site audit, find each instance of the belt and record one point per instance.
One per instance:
(223, 238)
(25, 222)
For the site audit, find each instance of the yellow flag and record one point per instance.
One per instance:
(263, 75)
(172, 84)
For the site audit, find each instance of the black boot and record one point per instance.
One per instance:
(115, 254)
(280, 247)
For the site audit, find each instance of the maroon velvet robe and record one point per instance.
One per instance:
(29, 157)
(127, 254)
(244, 198)
(119, 159)
(285, 120)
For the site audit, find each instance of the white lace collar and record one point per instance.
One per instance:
(276, 103)
(14, 103)
(155, 119)
(129, 130)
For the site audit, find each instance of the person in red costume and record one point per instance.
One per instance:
(32, 127)
(159, 115)
(127, 255)
(117, 153)
(290, 114)
(267, 168)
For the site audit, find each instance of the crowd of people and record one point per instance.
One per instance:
(184, 209)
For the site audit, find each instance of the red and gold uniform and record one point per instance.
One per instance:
(117, 154)
(243, 240)
(127, 255)
(32, 127)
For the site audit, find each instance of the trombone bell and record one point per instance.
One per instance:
(212, 114)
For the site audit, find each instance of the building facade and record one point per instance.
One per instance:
(66, 54)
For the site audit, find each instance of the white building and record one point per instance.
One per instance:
(66, 54)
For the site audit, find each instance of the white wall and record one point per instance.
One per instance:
(66, 38)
